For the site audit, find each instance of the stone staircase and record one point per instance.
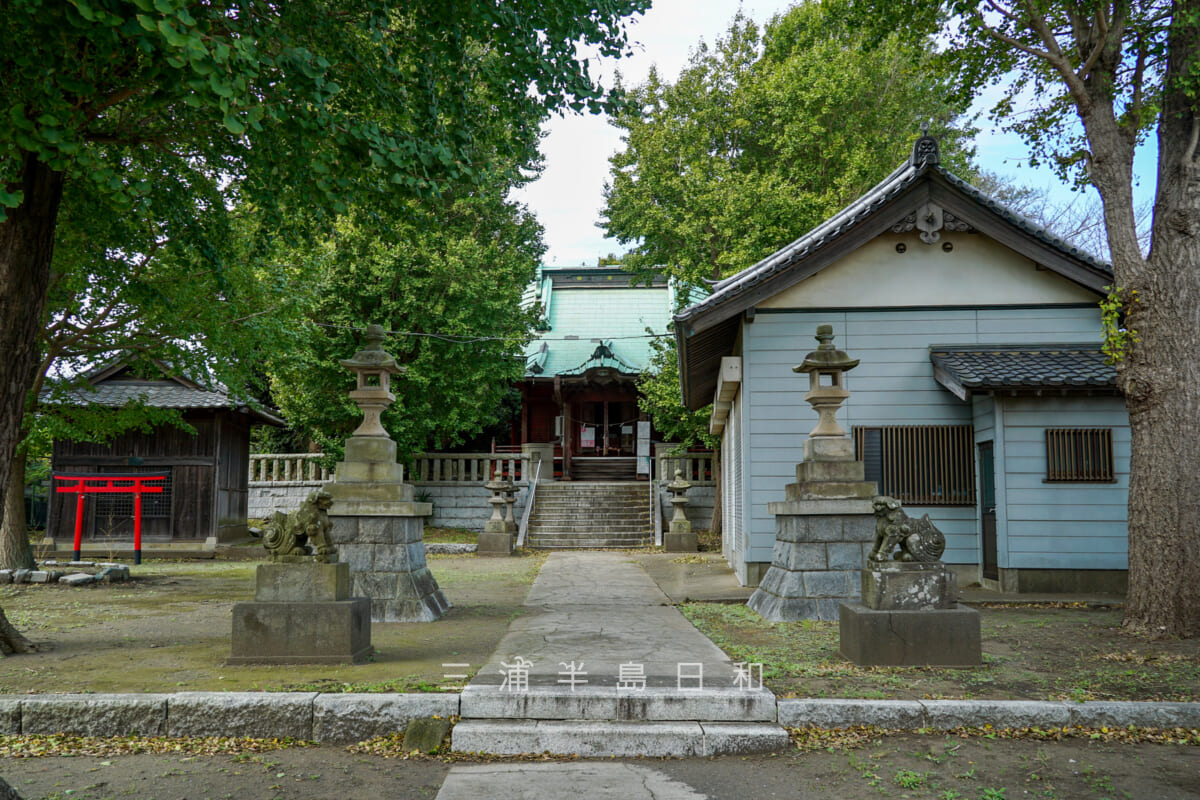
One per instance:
(591, 516)
(608, 468)
(603, 722)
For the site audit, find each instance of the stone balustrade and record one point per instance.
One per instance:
(288, 467)
(453, 482)
(696, 468)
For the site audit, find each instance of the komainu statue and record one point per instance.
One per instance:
(304, 533)
(918, 539)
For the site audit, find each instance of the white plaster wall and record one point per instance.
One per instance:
(978, 271)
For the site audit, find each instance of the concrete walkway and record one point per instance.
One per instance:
(601, 610)
(601, 664)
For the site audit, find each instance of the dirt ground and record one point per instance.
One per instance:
(168, 630)
(941, 767)
(1043, 652)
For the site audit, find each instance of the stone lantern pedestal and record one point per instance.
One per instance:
(497, 539)
(826, 522)
(679, 538)
(378, 527)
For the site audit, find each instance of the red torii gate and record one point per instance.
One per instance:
(82, 484)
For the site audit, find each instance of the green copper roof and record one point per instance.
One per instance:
(596, 319)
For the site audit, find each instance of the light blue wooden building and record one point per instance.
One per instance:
(981, 398)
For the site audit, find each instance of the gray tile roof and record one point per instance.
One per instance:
(1022, 367)
(904, 177)
(157, 394)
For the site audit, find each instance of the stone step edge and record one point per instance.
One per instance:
(600, 739)
(335, 718)
(608, 703)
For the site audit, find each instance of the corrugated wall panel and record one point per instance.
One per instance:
(893, 385)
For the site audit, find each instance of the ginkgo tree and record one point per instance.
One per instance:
(1086, 83)
(295, 110)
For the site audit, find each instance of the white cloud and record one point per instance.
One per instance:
(568, 196)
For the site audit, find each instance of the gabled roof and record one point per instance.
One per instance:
(116, 385)
(594, 319)
(706, 331)
(964, 369)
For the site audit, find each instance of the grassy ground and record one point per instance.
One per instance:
(1029, 652)
(168, 630)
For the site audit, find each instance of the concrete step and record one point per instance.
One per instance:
(590, 511)
(601, 739)
(587, 543)
(594, 702)
(584, 525)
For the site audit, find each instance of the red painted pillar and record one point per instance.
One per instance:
(137, 526)
(79, 521)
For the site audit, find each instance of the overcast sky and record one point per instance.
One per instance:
(568, 196)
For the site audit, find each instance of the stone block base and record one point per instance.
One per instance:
(303, 582)
(684, 542)
(901, 586)
(386, 555)
(937, 638)
(302, 633)
(815, 564)
(493, 543)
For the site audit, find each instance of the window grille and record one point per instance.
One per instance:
(922, 465)
(1079, 455)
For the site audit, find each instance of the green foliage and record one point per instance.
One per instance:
(763, 136)
(658, 396)
(1114, 309)
(447, 281)
(313, 100)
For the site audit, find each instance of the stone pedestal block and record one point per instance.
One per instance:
(302, 582)
(939, 638)
(302, 614)
(386, 557)
(496, 543)
(680, 541)
(901, 586)
(336, 632)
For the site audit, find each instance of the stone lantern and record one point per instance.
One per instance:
(378, 525)
(374, 368)
(497, 538)
(826, 367)
(680, 537)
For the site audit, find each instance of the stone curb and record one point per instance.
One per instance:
(947, 714)
(333, 718)
(339, 718)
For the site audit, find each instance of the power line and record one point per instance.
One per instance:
(467, 339)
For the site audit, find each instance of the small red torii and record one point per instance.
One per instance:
(82, 484)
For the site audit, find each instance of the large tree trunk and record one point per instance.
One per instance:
(26, 249)
(11, 640)
(1161, 377)
(15, 552)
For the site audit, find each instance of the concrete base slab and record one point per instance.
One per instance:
(598, 739)
(604, 781)
(940, 637)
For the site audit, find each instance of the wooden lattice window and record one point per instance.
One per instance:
(1079, 455)
(921, 465)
